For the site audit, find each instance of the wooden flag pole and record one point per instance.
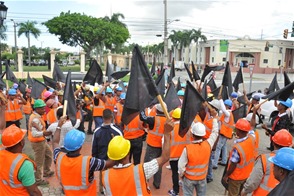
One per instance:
(221, 90)
(7, 86)
(163, 106)
(65, 107)
(208, 105)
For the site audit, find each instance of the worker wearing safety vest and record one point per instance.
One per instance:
(283, 171)
(178, 143)
(226, 132)
(261, 180)
(154, 138)
(17, 170)
(126, 179)
(75, 171)
(51, 115)
(235, 102)
(28, 107)
(192, 167)
(98, 107)
(134, 132)
(118, 91)
(88, 106)
(110, 101)
(118, 110)
(13, 113)
(241, 160)
(36, 135)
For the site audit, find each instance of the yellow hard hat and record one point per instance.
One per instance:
(78, 87)
(118, 148)
(177, 113)
(95, 88)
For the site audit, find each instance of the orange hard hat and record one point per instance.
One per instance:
(12, 135)
(283, 138)
(243, 125)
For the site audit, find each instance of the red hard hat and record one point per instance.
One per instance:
(12, 135)
(243, 125)
(283, 138)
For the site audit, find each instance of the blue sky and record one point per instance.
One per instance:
(224, 19)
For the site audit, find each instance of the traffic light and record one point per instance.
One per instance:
(285, 33)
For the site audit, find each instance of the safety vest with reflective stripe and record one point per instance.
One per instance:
(268, 181)
(127, 181)
(110, 103)
(246, 152)
(30, 137)
(132, 130)
(152, 112)
(73, 173)
(119, 112)
(198, 155)
(155, 135)
(12, 112)
(226, 129)
(10, 166)
(177, 143)
(256, 144)
(51, 116)
(98, 109)
(79, 114)
(27, 108)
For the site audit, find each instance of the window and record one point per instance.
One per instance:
(265, 61)
(224, 59)
(212, 59)
(213, 48)
(279, 62)
(266, 49)
(200, 49)
(281, 50)
(200, 59)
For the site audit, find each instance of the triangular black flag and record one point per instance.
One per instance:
(195, 73)
(57, 74)
(172, 72)
(241, 99)
(94, 74)
(227, 79)
(204, 90)
(179, 87)
(171, 98)
(282, 94)
(141, 90)
(187, 67)
(49, 82)
(274, 85)
(22, 87)
(238, 79)
(71, 110)
(286, 79)
(30, 81)
(239, 112)
(224, 92)
(37, 89)
(10, 75)
(153, 66)
(119, 74)
(211, 83)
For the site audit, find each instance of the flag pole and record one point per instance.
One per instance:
(65, 107)
(7, 86)
(243, 79)
(163, 106)
(221, 90)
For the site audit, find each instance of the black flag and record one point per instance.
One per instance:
(238, 79)
(208, 69)
(37, 89)
(274, 85)
(10, 75)
(172, 72)
(179, 87)
(195, 73)
(241, 99)
(227, 79)
(94, 74)
(141, 90)
(71, 110)
(171, 98)
(239, 112)
(49, 82)
(211, 83)
(119, 74)
(22, 87)
(160, 83)
(30, 81)
(187, 67)
(286, 79)
(282, 94)
(57, 74)
(224, 92)
(204, 90)
(189, 108)
(153, 66)
(109, 71)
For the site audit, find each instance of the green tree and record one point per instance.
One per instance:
(28, 28)
(2, 37)
(175, 38)
(115, 19)
(196, 37)
(75, 29)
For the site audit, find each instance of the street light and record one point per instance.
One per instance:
(15, 44)
(3, 14)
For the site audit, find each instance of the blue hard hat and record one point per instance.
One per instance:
(180, 93)
(119, 88)
(234, 95)
(74, 140)
(284, 158)
(228, 102)
(51, 90)
(183, 85)
(12, 91)
(125, 84)
(108, 90)
(15, 86)
(287, 103)
(123, 96)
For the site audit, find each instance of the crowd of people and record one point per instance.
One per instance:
(117, 148)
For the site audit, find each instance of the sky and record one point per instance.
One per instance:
(218, 19)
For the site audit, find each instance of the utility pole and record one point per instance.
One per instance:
(165, 34)
(15, 45)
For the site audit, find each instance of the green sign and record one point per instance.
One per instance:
(223, 45)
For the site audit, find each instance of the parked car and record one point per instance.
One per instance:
(42, 62)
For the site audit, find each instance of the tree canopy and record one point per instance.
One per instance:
(75, 29)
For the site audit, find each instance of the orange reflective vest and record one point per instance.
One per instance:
(79, 115)
(226, 129)
(132, 130)
(155, 135)
(30, 137)
(98, 109)
(152, 112)
(256, 144)
(246, 152)
(207, 122)
(177, 143)
(27, 108)
(10, 166)
(12, 112)
(132, 181)
(73, 173)
(118, 114)
(268, 181)
(51, 116)
(110, 103)
(197, 166)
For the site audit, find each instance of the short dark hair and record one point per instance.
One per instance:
(107, 114)
(59, 113)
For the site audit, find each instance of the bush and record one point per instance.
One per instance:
(77, 62)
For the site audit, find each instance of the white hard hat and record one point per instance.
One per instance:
(198, 129)
(249, 117)
(159, 108)
(215, 103)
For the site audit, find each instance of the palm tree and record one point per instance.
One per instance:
(197, 36)
(175, 38)
(185, 40)
(115, 19)
(29, 28)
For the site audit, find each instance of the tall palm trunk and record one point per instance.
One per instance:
(29, 49)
